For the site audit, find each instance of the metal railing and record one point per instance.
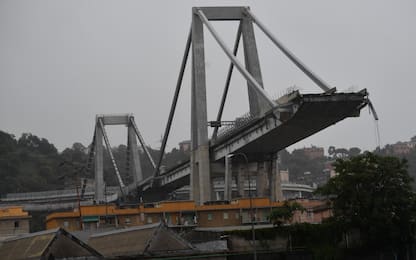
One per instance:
(239, 123)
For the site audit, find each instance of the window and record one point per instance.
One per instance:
(66, 224)
(209, 216)
(149, 220)
(225, 215)
(127, 220)
(237, 215)
(16, 224)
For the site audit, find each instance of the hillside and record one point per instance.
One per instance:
(30, 163)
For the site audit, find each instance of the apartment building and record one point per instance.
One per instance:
(13, 221)
(181, 213)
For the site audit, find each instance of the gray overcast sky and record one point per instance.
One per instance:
(63, 62)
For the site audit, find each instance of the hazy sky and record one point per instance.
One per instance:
(63, 62)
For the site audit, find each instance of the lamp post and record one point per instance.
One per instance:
(252, 219)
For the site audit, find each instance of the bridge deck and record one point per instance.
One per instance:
(311, 113)
(314, 113)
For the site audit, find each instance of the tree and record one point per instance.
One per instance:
(7, 143)
(27, 164)
(373, 194)
(283, 214)
(34, 143)
(411, 157)
(78, 153)
(298, 163)
(354, 151)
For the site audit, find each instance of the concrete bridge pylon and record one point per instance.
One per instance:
(259, 101)
(133, 165)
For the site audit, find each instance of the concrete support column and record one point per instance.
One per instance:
(200, 162)
(99, 172)
(204, 175)
(228, 178)
(241, 176)
(194, 178)
(261, 180)
(257, 104)
(275, 184)
(135, 167)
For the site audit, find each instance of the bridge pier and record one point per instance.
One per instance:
(99, 171)
(228, 178)
(257, 104)
(135, 168)
(276, 193)
(200, 159)
(133, 165)
(261, 180)
(266, 174)
(241, 179)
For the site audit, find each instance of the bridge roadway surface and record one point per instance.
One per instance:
(67, 199)
(54, 199)
(300, 116)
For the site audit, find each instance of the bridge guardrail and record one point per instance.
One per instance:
(240, 122)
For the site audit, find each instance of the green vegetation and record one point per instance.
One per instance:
(27, 164)
(374, 213)
(322, 240)
(373, 195)
(30, 164)
(298, 163)
(284, 214)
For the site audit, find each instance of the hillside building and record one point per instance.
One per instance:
(313, 152)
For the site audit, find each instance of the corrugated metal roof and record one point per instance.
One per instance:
(155, 239)
(130, 229)
(56, 242)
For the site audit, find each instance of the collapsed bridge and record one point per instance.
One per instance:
(238, 150)
(249, 145)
